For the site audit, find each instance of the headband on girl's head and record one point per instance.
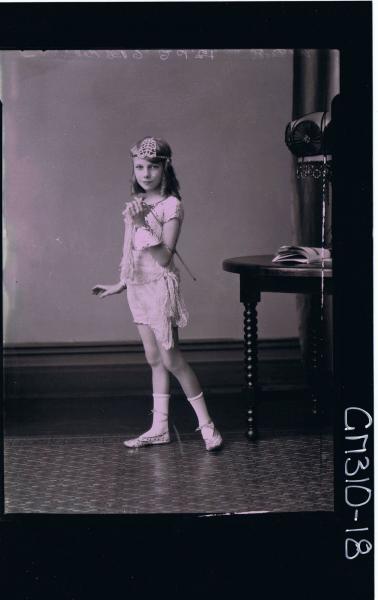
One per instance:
(147, 150)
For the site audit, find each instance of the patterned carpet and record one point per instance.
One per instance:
(284, 471)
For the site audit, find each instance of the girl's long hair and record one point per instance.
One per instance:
(169, 183)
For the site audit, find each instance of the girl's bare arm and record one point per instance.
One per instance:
(102, 291)
(163, 252)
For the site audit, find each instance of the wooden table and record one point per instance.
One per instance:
(258, 274)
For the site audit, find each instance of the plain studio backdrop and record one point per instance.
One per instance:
(70, 119)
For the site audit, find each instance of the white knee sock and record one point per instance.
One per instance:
(199, 405)
(160, 414)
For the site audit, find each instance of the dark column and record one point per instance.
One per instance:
(251, 365)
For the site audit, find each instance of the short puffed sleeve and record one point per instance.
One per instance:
(173, 209)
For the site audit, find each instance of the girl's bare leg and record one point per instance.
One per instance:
(160, 374)
(175, 362)
(160, 381)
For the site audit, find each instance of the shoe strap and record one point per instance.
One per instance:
(205, 425)
(152, 411)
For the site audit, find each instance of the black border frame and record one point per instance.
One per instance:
(290, 555)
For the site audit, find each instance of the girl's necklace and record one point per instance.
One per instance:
(153, 203)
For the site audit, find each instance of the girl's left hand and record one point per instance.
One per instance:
(136, 211)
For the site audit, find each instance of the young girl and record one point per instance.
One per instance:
(153, 222)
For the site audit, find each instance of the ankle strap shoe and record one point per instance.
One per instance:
(211, 436)
(148, 440)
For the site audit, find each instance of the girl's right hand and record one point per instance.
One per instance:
(107, 290)
(136, 211)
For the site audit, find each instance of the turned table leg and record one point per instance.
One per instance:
(251, 366)
(316, 359)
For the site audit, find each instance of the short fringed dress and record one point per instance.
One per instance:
(153, 291)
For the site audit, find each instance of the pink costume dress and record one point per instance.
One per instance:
(153, 291)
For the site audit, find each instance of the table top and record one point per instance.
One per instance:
(261, 266)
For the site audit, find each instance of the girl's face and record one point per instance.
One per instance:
(148, 174)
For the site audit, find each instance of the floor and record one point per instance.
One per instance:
(69, 458)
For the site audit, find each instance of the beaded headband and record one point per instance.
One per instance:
(147, 150)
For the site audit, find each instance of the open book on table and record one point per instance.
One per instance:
(303, 255)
